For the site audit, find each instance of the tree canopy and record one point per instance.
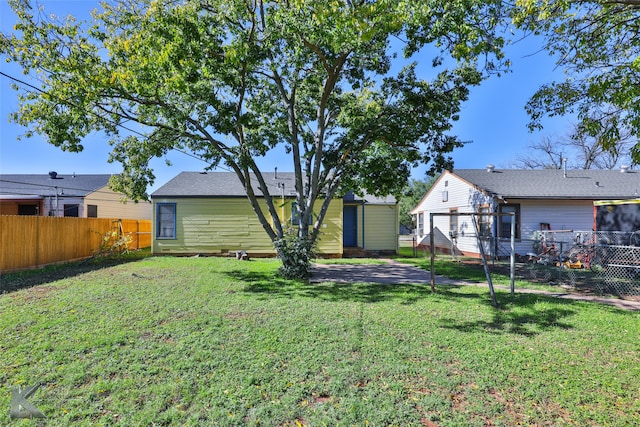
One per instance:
(597, 43)
(335, 82)
(576, 150)
(411, 196)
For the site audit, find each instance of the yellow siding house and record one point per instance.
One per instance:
(209, 213)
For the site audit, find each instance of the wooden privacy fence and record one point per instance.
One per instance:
(35, 241)
(138, 229)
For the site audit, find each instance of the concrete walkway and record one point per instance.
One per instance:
(388, 273)
(393, 272)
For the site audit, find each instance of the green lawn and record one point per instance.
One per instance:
(211, 341)
(458, 269)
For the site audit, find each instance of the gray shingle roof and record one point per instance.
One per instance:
(552, 183)
(220, 184)
(227, 184)
(17, 185)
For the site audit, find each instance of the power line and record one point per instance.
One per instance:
(37, 89)
(65, 196)
(21, 191)
(61, 186)
(22, 82)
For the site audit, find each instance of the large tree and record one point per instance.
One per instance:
(230, 80)
(597, 43)
(577, 150)
(414, 191)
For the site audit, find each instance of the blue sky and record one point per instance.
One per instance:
(493, 119)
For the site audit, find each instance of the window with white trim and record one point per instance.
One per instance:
(453, 222)
(484, 221)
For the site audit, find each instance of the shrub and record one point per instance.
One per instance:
(296, 254)
(113, 245)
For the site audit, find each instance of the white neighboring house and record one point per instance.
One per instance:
(53, 194)
(549, 199)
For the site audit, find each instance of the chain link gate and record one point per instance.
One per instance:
(605, 262)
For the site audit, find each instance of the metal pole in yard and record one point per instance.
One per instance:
(137, 234)
(484, 261)
(432, 243)
(560, 263)
(512, 258)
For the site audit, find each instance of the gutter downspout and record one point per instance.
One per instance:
(363, 204)
(397, 228)
(282, 220)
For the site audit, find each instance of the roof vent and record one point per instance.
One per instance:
(624, 168)
(491, 168)
(53, 174)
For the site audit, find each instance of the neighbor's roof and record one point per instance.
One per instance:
(554, 184)
(227, 184)
(22, 185)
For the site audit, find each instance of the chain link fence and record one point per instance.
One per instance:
(599, 262)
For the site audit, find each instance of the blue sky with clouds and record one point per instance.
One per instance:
(493, 120)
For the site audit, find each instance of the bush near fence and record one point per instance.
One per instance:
(36, 241)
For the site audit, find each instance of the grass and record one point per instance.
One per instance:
(27, 278)
(211, 341)
(445, 266)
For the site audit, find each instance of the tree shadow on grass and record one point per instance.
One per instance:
(15, 281)
(270, 285)
(521, 314)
